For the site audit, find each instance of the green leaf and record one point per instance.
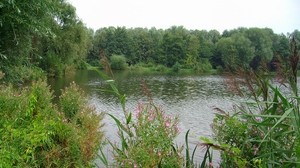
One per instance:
(187, 152)
(284, 116)
(102, 157)
(129, 118)
(119, 124)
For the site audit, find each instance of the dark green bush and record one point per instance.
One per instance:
(23, 74)
(118, 62)
(203, 66)
(176, 67)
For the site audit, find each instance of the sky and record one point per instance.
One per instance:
(280, 15)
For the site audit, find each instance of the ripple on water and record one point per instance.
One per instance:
(191, 98)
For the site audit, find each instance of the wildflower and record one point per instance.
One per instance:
(177, 129)
(151, 117)
(135, 165)
(167, 124)
(138, 110)
(259, 119)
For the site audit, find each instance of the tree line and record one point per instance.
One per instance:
(241, 47)
(47, 36)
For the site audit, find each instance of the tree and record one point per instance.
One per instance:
(235, 51)
(141, 45)
(41, 33)
(174, 45)
(21, 23)
(192, 57)
(261, 40)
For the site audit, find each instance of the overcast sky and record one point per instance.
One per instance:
(280, 15)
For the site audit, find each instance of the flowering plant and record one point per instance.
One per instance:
(147, 139)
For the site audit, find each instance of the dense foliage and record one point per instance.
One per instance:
(265, 129)
(37, 133)
(45, 34)
(194, 49)
(40, 38)
(48, 36)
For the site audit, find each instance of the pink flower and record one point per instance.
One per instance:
(177, 129)
(138, 110)
(259, 119)
(168, 124)
(135, 165)
(151, 117)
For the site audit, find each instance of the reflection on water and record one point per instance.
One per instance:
(191, 97)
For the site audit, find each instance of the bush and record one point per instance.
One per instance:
(118, 62)
(147, 139)
(204, 66)
(176, 67)
(161, 68)
(53, 65)
(264, 129)
(72, 101)
(35, 134)
(23, 74)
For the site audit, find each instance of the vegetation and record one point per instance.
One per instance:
(44, 34)
(48, 36)
(36, 133)
(193, 49)
(265, 129)
(45, 38)
(118, 62)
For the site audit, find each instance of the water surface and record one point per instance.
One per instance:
(192, 98)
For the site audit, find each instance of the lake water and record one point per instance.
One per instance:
(192, 98)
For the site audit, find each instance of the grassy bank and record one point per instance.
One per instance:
(38, 133)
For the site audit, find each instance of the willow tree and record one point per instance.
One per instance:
(235, 52)
(29, 30)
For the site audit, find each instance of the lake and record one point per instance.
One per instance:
(192, 98)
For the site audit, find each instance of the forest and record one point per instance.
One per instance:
(48, 38)
(45, 38)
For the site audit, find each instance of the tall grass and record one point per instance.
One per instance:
(266, 127)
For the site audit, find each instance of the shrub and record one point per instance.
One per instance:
(24, 74)
(35, 134)
(147, 139)
(203, 66)
(176, 67)
(72, 101)
(266, 129)
(118, 62)
(160, 68)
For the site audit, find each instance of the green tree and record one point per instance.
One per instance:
(192, 57)
(142, 45)
(174, 45)
(235, 51)
(21, 24)
(261, 40)
(41, 33)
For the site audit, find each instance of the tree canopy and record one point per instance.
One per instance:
(49, 36)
